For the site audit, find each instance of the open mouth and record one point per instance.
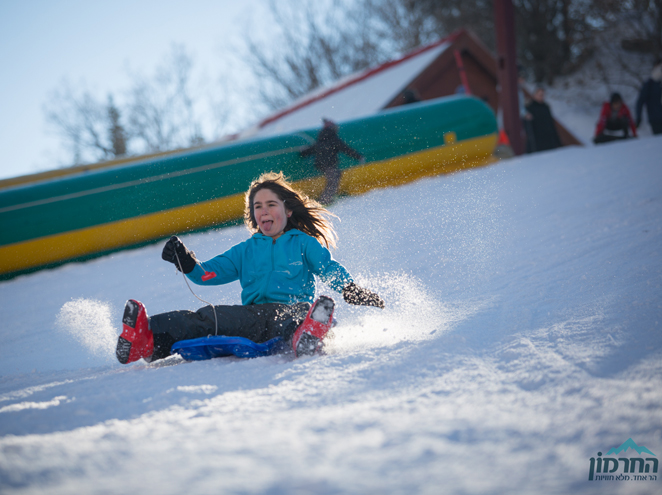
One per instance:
(266, 225)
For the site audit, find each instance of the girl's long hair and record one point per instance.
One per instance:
(308, 215)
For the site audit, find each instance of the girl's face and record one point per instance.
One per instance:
(270, 213)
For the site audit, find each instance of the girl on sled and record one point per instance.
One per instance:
(275, 267)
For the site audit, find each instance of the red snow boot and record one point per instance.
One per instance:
(307, 339)
(136, 340)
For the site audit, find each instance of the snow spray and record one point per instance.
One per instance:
(90, 323)
(412, 314)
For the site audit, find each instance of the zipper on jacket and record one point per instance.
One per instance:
(268, 284)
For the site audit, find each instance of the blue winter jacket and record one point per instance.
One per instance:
(269, 271)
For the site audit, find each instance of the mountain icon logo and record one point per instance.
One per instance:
(629, 444)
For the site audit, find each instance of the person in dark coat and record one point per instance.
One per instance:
(524, 114)
(615, 121)
(650, 97)
(326, 150)
(543, 128)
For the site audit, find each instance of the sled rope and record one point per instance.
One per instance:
(198, 297)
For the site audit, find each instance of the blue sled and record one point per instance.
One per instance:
(221, 346)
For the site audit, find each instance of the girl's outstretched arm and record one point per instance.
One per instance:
(319, 261)
(216, 271)
(334, 274)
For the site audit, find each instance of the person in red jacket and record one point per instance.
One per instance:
(615, 121)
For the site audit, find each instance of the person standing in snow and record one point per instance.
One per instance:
(650, 97)
(614, 122)
(543, 127)
(524, 114)
(326, 150)
(291, 237)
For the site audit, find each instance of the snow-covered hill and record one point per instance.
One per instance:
(521, 337)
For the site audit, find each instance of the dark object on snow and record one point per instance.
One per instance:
(650, 97)
(175, 248)
(326, 150)
(543, 129)
(615, 121)
(353, 294)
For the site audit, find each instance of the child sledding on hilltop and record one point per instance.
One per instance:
(615, 121)
(275, 267)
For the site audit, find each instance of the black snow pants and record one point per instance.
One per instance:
(257, 322)
(333, 176)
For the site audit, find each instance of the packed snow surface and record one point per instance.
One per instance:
(521, 337)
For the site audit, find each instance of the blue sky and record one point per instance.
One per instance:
(94, 44)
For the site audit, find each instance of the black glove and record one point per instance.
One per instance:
(353, 294)
(175, 248)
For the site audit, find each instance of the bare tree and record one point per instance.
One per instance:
(116, 132)
(159, 114)
(553, 36)
(320, 42)
(161, 109)
(403, 25)
(642, 19)
(317, 45)
(91, 129)
(451, 15)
